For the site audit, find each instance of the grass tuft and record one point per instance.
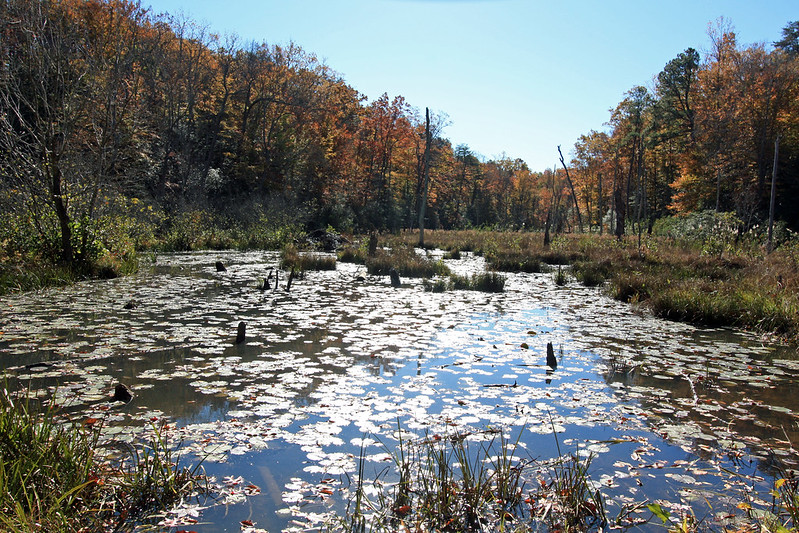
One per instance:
(485, 282)
(406, 262)
(292, 259)
(55, 474)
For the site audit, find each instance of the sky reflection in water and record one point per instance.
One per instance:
(336, 360)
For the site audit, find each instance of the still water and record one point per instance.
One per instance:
(674, 414)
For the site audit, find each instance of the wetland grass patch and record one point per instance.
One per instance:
(292, 259)
(453, 482)
(483, 282)
(56, 474)
(406, 262)
(473, 481)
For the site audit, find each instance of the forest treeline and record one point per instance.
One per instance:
(121, 128)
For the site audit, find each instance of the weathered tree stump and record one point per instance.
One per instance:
(552, 362)
(220, 267)
(241, 333)
(121, 394)
(395, 279)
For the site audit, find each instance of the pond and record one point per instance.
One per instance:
(329, 370)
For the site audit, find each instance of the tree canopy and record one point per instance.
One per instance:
(109, 113)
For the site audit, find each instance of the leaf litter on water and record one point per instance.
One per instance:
(334, 360)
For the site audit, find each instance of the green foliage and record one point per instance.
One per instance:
(714, 233)
(206, 230)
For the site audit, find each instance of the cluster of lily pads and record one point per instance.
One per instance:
(673, 417)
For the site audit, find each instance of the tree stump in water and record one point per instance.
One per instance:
(220, 267)
(395, 279)
(121, 394)
(552, 362)
(241, 333)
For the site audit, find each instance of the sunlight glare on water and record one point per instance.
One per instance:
(334, 365)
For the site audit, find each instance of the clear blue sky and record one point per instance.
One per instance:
(518, 77)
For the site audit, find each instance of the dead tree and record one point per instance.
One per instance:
(571, 186)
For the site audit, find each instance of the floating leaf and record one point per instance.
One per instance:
(659, 511)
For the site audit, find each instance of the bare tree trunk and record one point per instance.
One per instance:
(571, 186)
(426, 177)
(60, 207)
(600, 204)
(770, 245)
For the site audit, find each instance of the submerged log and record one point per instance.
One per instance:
(552, 362)
(241, 333)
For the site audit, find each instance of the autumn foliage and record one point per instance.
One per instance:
(114, 119)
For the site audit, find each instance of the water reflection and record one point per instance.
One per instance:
(336, 359)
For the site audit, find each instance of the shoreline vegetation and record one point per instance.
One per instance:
(703, 281)
(59, 474)
(711, 277)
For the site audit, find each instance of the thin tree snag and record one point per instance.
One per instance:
(426, 176)
(571, 186)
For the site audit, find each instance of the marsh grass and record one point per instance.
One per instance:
(444, 483)
(561, 277)
(731, 284)
(440, 284)
(485, 282)
(566, 499)
(292, 259)
(55, 474)
(25, 276)
(515, 261)
(473, 482)
(592, 274)
(353, 253)
(406, 262)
